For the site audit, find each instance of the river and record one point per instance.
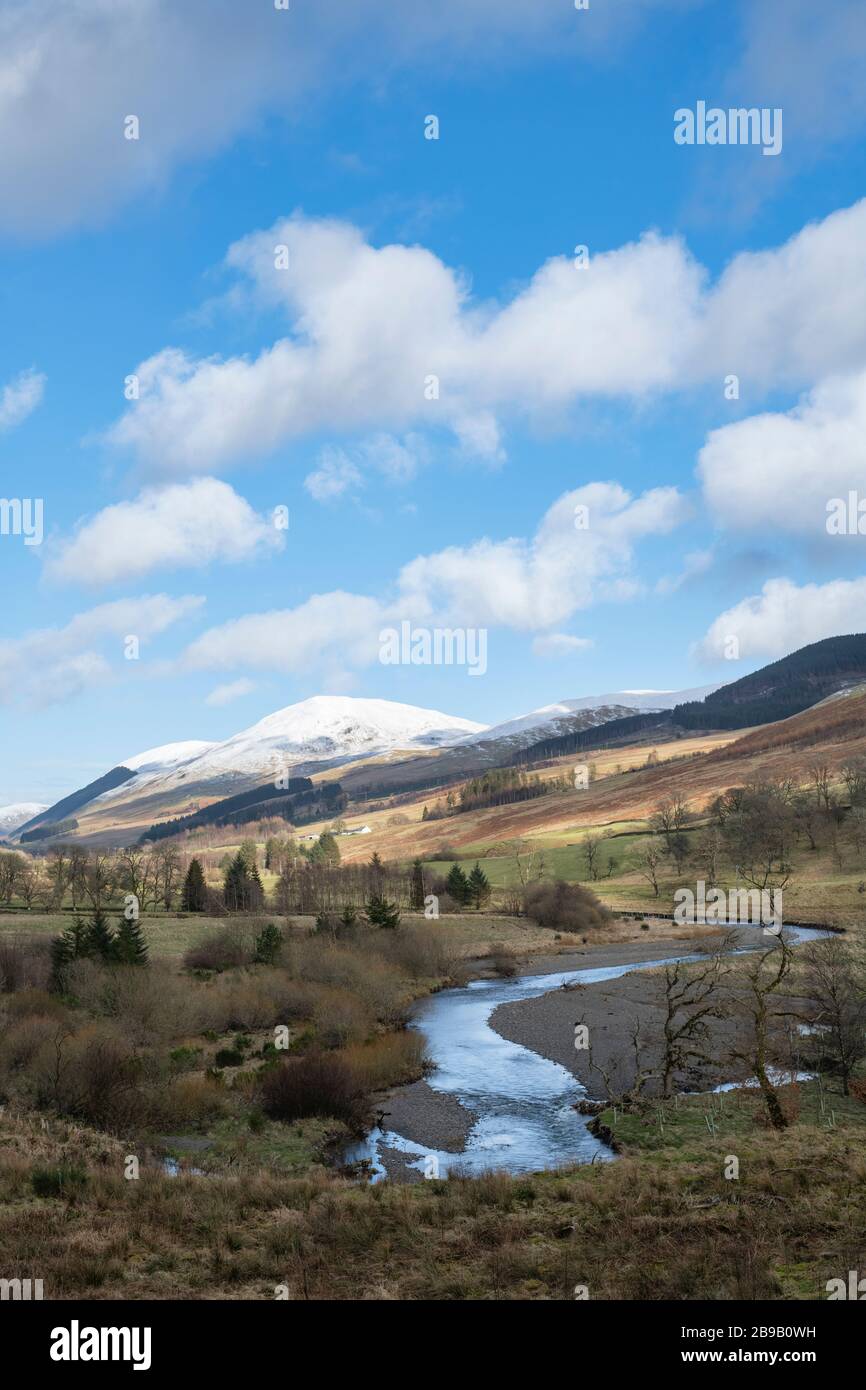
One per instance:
(524, 1103)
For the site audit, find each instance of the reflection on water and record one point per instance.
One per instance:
(523, 1102)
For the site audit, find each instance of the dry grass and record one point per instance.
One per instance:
(669, 1227)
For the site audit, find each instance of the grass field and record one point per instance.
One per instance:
(169, 937)
(663, 1222)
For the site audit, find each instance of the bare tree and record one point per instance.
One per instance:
(59, 870)
(98, 879)
(592, 845)
(707, 854)
(10, 870)
(837, 987)
(819, 773)
(648, 865)
(854, 777)
(79, 860)
(139, 873)
(669, 817)
(29, 883)
(691, 998)
(528, 860)
(168, 871)
(756, 1007)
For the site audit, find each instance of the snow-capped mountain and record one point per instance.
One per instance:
(18, 814)
(561, 718)
(168, 756)
(326, 728)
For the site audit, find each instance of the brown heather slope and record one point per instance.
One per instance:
(833, 732)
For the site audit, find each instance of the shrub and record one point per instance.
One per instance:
(63, 1181)
(190, 1101)
(24, 964)
(312, 1085)
(185, 1058)
(23, 1041)
(502, 961)
(420, 950)
(394, 1059)
(341, 1018)
(229, 1057)
(269, 944)
(28, 1002)
(256, 1000)
(565, 906)
(223, 950)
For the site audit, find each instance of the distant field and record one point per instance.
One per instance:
(169, 937)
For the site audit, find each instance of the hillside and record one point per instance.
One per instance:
(627, 789)
(781, 689)
(784, 688)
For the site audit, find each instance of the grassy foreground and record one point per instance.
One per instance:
(661, 1223)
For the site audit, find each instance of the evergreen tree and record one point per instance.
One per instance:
(129, 946)
(236, 885)
(349, 917)
(376, 864)
(249, 853)
(256, 891)
(194, 896)
(268, 945)
(100, 937)
(381, 913)
(416, 894)
(72, 944)
(479, 886)
(325, 850)
(457, 885)
(286, 893)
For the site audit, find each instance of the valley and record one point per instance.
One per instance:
(291, 1007)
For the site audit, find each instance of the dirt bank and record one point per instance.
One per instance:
(612, 1008)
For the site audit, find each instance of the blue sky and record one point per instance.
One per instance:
(303, 387)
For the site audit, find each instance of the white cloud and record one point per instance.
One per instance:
(696, 563)
(52, 665)
(785, 617)
(794, 313)
(534, 584)
(335, 475)
(528, 585)
(337, 628)
(186, 526)
(559, 644)
(369, 329)
(20, 397)
(200, 72)
(342, 471)
(233, 690)
(777, 472)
